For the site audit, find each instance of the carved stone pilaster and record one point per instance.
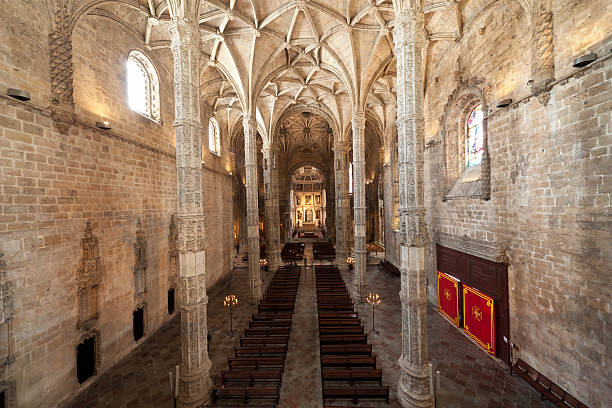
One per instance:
(60, 67)
(140, 265)
(359, 206)
(485, 163)
(272, 221)
(194, 378)
(88, 280)
(408, 33)
(173, 252)
(542, 51)
(343, 201)
(6, 313)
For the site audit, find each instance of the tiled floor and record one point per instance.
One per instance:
(469, 378)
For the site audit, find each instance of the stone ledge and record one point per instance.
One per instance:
(492, 251)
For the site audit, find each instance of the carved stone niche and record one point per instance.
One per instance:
(8, 391)
(6, 316)
(140, 264)
(88, 280)
(173, 252)
(492, 251)
(460, 180)
(95, 335)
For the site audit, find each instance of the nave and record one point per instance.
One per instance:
(469, 378)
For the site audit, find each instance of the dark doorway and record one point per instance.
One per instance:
(2, 399)
(171, 301)
(488, 277)
(138, 323)
(86, 360)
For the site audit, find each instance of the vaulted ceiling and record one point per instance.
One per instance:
(273, 55)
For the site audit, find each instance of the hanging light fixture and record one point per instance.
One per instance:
(584, 60)
(18, 94)
(104, 125)
(504, 102)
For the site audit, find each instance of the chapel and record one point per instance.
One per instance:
(305, 203)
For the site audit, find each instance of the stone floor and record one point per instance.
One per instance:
(469, 377)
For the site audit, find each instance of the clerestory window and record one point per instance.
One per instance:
(214, 142)
(143, 86)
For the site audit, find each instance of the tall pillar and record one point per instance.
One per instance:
(413, 387)
(359, 206)
(343, 201)
(252, 196)
(542, 50)
(195, 383)
(272, 221)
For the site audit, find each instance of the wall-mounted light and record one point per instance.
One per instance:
(19, 94)
(104, 125)
(584, 60)
(504, 102)
(230, 173)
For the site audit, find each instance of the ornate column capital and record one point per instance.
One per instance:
(249, 123)
(358, 119)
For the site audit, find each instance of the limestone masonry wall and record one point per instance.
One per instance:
(51, 184)
(550, 185)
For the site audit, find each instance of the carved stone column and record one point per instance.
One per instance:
(542, 50)
(343, 201)
(195, 383)
(413, 387)
(359, 206)
(250, 165)
(272, 222)
(485, 166)
(60, 67)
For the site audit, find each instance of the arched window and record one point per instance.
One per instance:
(214, 142)
(474, 140)
(351, 178)
(143, 86)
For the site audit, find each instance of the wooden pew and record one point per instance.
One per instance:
(356, 392)
(260, 351)
(339, 322)
(348, 361)
(246, 394)
(352, 375)
(250, 363)
(264, 341)
(337, 315)
(349, 349)
(343, 339)
(269, 323)
(250, 377)
(270, 316)
(547, 389)
(261, 332)
(340, 330)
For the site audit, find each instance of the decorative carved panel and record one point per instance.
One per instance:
(173, 252)
(492, 251)
(140, 264)
(88, 279)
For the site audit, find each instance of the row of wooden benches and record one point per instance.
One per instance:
(348, 367)
(547, 389)
(255, 371)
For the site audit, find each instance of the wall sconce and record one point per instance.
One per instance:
(504, 102)
(18, 94)
(584, 60)
(104, 125)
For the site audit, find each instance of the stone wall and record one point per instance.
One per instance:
(51, 184)
(550, 184)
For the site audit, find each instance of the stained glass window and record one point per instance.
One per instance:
(143, 86)
(473, 154)
(214, 144)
